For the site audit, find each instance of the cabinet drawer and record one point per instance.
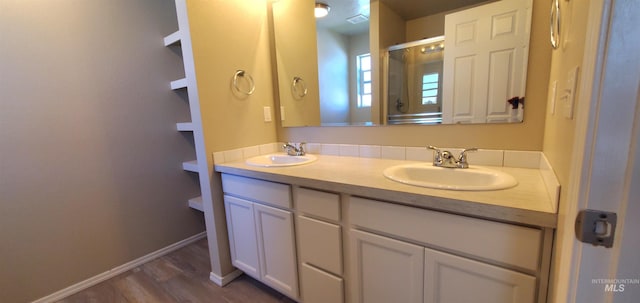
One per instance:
(318, 203)
(504, 243)
(320, 287)
(257, 190)
(320, 244)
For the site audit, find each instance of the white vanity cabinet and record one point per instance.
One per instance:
(324, 244)
(405, 254)
(261, 231)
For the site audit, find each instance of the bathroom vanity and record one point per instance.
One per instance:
(337, 230)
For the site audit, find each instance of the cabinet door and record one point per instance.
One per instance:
(277, 249)
(453, 279)
(385, 270)
(242, 235)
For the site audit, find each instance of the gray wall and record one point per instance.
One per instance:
(90, 174)
(333, 76)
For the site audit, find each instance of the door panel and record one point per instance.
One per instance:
(385, 270)
(242, 235)
(277, 249)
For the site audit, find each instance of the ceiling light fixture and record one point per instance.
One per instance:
(321, 10)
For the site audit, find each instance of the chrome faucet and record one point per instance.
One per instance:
(446, 159)
(293, 149)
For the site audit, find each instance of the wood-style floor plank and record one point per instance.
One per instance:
(181, 276)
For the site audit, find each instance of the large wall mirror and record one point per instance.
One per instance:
(401, 61)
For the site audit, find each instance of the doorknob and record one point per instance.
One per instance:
(596, 227)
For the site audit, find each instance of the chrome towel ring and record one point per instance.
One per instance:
(299, 82)
(241, 73)
(554, 24)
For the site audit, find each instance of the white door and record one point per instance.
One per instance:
(276, 248)
(453, 279)
(485, 61)
(385, 270)
(242, 235)
(607, 153)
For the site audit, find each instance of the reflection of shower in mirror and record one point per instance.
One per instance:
(414, 82)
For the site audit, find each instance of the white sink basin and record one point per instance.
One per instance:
(472, 178)
(280, 159)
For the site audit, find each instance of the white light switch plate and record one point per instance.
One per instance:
(267, 113)
(553, 97)
(282, 113)
(570, 92)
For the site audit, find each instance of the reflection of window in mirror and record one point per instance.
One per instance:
(364, 80)
(430, 88)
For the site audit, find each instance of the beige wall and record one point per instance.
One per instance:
(228, 36)
(432, 25)
(426, 27)
(90, 174)
(559, 133)
(386, 28)
(523, 136)
(296, 55)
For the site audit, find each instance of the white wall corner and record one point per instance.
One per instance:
(222, 281)
(550, 181)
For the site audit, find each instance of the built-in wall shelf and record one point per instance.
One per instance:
(178, 84)
(196, 203)
(191, 166)
(172, 39)
(185, 126)
(182, 38)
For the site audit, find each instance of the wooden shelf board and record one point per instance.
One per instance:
(178, 84)
(196, 203)
(184, 126)
(191, 166)
(173, 38)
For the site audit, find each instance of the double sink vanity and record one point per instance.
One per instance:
(326, 228)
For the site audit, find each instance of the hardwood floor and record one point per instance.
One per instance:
(182, 276)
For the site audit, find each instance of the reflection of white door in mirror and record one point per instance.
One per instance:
(480, 75)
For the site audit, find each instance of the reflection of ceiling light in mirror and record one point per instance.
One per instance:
(432, 48)
(359, 18)
(321, 10)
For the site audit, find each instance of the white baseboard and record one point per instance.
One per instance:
(222, 281)
(75, 288)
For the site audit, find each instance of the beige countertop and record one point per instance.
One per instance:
(527, 203)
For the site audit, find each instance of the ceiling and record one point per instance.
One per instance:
(412, 9)
(407, 9)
